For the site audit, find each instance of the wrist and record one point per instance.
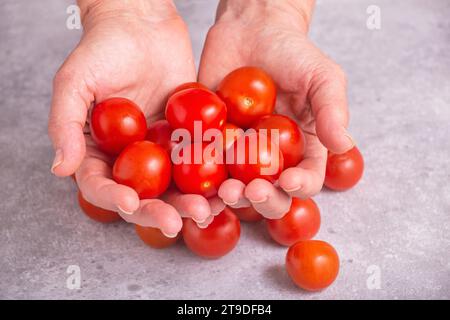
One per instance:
(93, 11)
(296, 13)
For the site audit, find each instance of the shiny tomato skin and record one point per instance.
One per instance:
(249, 94)
(312, 264)
(247, 171)
(145, 167)
(189, 105)
(291, 138)
(248, 214)
(216, 240)
(96, 213)
(344, 170)
(230, 134)
(202, 178)
(160, 132)
(301, 222)
(154, 238)
(189, 85)
(116, 123)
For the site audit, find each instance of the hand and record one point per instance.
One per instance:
(311, 89)
(140, 51)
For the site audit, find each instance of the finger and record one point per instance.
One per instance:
(306, 179)
(94, 181)
(189, 205)
(217, 205)
(328, 97)
(267, 199)
(205, 223)
(157, 214)
(70, 102)
(232, 193)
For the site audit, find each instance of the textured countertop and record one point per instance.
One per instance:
(394, 227)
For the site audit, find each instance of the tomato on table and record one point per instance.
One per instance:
(96, 213)
(248, 214)
(187, 106)
(216, 240)
(312, 264)
(160, 132)
(145, 167)
(189, 85)
(249, 94)
(202, 178)
(344, 170)
(291, 138)
(301, 222)
(154, 237)
(265, 166)
(116, 123)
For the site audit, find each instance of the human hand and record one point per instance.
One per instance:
(140, 51)
(311, 89)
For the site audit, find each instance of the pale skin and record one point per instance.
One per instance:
(141, 50)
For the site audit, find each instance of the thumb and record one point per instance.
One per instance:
(328, 98)
(70, 102)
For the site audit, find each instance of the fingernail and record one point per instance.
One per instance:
(202, 226)
(230, 203)
(169, 235)
(199, 221)
(352, 141)
(59, 158)
(124, 211)
(293, 189)
(259, 201)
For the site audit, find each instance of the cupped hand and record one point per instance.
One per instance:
(122, 54)
(311, 90)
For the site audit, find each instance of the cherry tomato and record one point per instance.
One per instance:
(247, 171)
(116, 123)
(216, 240)
(248, 214)
(344, 170)
(145, 167)
(189, 85)
(160, 132)
(301, 222)
(154, 237)
(230, 134)
(312, 264)
(96, 213)
(291, 138)
(189, 105)
(249, 94)
(202, 178)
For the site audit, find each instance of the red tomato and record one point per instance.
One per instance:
(189, 105)
(145, 167)
(116, 123)
(247, 171)
(301, 222)
(230, 134)
(291, 138)
(249, 94)
(96, 213)
(344, 170)
(216, 240)
(312, 264)
(160, 132)
(203, 178)
(189, 85)
(248, 214)
(154, 237)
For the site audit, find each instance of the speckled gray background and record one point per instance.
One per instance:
(395, 222)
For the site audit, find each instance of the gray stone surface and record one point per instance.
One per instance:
(397, 219)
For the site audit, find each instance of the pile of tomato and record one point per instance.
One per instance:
(245, 99)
